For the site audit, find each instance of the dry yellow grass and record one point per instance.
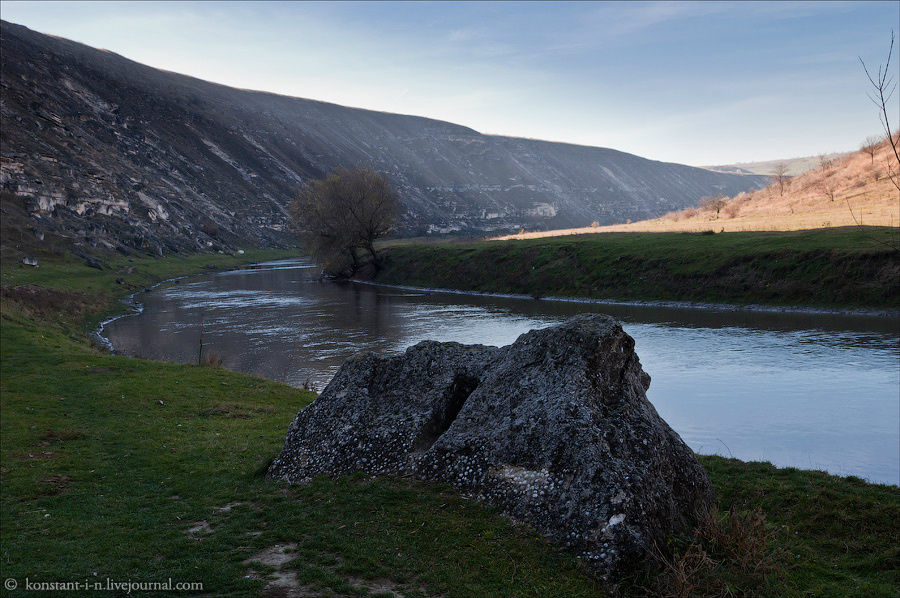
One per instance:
(848, 191)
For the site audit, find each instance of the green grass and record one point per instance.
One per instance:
(841, 536)
(826, 268)
(109, 462)
(71, 273)
(87, 294)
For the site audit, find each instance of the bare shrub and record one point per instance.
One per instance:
(209, 228)
(828, 186)
(727, 551)
(211, 360)
(883, 87)
(713, 202)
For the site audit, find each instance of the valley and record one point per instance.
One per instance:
(112, 154)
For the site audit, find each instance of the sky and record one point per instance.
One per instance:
(697, 83)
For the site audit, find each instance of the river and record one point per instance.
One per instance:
(808, 390)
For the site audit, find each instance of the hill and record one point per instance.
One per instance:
(107, 152)
(793, 166)
(852, 190)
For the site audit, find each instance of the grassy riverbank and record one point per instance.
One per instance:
(824, 268)
(138, 470)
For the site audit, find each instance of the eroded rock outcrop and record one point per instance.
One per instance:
(556, 429)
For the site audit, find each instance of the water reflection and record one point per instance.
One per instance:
(808, 390)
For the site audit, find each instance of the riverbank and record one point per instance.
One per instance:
(161, 464)
(833, 268)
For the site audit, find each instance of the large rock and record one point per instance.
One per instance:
(555, 428)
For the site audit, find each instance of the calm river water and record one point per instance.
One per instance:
(806, 390)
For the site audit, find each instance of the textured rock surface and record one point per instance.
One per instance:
(555, 428)
(115, 152)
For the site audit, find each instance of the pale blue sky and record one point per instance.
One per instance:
(697, 83)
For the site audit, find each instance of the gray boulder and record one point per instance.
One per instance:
(555, 429)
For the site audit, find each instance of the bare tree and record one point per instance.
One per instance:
(827, 185)
(780, 177)
(870, 146)
(883, 88)
(714, 202)
(344, 214)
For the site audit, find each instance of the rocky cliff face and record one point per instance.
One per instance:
(556, 429)
(119, 154)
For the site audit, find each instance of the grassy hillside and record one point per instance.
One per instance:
(829, 268)
(848, 190)
(137, 470)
